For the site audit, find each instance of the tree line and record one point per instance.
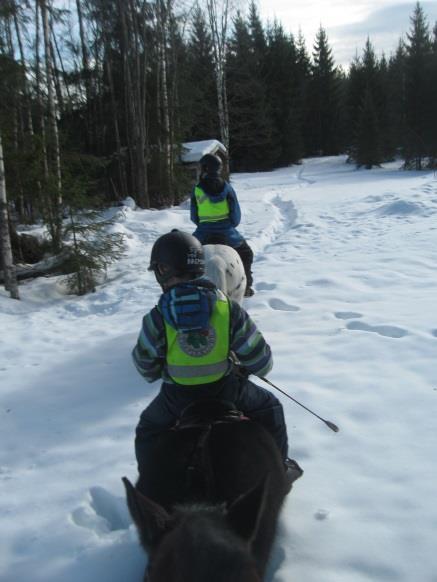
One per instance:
(96, 100)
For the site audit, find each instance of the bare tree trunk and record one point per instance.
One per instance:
(10, 274)
(163, 27)
(128, 93)
(53, 126)
(135, 96)
(89, 85)
(96, 106)
(120, 162)
(56, 75)
(16, 114)
(139, 93)
(218, 21)
(25, 81)
(84, 50)
(27, 203)
(38, 94)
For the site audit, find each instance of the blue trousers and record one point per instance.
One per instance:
(163, 412)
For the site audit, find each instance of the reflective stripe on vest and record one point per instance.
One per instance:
(209, 211)
(200, 357)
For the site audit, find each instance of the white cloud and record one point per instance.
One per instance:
(347, 24)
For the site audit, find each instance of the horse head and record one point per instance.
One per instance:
(199, 542)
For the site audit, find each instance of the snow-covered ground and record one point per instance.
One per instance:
(346, 286)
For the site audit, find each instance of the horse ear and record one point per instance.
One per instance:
(245, 512)
(150, 518)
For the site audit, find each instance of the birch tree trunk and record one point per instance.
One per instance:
(25, 78)
(140, 97)
(39, 99)
(218, 14)
(163, 15)
(120, 161)
(87, 77)
(28, 202)
(57, 215)
(134, 59)
(10, 274)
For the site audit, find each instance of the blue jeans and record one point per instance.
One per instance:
(162, 413)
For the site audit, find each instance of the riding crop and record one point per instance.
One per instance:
(328, 423)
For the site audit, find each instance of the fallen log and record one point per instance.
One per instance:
(54, 265)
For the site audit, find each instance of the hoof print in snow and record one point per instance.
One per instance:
(5, 473)
(384, 330)
(347, 315)
(262, 286)
(321, 514)
(280, 305)
(103, 513)
(320, 283)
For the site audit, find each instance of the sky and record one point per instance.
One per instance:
(348, 24)
(345, 293)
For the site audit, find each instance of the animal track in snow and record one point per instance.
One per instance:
(280, 305)
(321, 514)
(347, 315)
(103, 513)
(320, 282)
(5, 473)
(434, 332)
(263, 286)
(385, 330)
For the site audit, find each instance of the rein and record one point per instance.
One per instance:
(199, 468)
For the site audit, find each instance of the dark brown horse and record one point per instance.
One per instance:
(207, 509)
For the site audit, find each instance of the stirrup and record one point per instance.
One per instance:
(292, 473)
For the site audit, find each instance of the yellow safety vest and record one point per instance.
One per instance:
(200, 357)
(209, 211)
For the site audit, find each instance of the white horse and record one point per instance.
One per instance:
(224, 268)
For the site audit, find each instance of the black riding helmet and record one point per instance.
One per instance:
(180, 252)
(210, 164)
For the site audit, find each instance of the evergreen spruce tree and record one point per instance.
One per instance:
(433, 101)
(303, 65)
(284, 97)
(354, 97)
(418, 106)
(201, 95)
(385, 114)
(92, 249)
(396, 92)
(324, 96)
(257, 34)
(249, 122)
(368, 150)
(89, 243)
(303, 60)
(367, 101)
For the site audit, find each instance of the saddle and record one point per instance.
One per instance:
(205, 413)
(202, 416)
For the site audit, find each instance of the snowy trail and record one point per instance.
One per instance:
(345, 284)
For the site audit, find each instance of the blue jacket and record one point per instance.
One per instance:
(225, 228)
